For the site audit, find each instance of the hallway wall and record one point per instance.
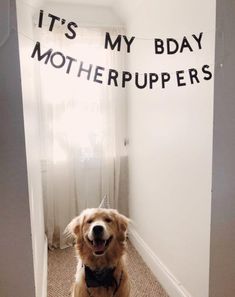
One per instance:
(31, 93)
(170, 146)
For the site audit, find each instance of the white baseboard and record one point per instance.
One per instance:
(45, 259)
(172, 286)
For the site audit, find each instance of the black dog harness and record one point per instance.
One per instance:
(101, 278)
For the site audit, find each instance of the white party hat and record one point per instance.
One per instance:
(105, 202)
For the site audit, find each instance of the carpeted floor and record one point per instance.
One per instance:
(62, 265)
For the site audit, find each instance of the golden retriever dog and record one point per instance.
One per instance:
(100, 245)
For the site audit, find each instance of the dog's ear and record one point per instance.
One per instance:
(122, 222)
(74, 227)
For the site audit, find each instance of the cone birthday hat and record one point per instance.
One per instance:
(105, 202)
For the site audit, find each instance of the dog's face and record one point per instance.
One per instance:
(99, 230)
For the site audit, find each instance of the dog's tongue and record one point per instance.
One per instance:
(99, 245)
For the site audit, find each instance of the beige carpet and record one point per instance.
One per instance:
(61, 270)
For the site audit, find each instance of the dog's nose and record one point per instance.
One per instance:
(98, 230)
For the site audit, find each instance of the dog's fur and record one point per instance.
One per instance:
(107, 253)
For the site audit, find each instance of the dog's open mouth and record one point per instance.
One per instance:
(100, 245)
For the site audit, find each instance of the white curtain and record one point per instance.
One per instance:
(82, 131)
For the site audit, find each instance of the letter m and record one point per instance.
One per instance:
(117, 42)
(37, 50)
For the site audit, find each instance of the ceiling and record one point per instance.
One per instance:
(87, 2)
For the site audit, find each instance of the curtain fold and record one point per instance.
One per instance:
(82, 131)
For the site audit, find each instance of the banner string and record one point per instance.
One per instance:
(219, 64)
(88, 62)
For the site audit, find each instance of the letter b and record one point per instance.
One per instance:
(159, 47)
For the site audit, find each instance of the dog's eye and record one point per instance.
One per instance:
(89, 221)
(108, 220)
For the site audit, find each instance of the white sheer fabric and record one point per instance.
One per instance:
(82, 129)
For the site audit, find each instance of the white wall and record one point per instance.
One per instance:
(170, 151)
(31, 94)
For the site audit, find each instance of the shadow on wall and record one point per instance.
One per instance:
(123, 204)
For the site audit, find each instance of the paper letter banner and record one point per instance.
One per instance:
(177, 61)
